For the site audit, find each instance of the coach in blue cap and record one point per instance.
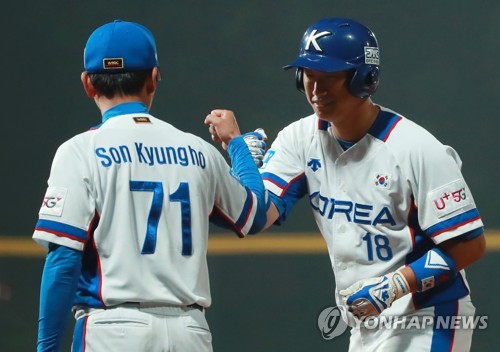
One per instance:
(120, 47)
(125, 217)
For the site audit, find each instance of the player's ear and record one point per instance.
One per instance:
(157, 74)
(153, 80)
(87, 85)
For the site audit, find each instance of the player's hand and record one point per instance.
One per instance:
(368, 298)
(222, 126)
(256, 144)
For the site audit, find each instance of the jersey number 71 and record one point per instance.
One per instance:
(181, 195)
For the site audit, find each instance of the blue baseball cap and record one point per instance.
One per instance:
(120, 46)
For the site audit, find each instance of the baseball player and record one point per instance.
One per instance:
(125, 217)
(390, 200)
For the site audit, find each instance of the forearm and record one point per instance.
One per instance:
(465, 251)
(57, 293)
(369, 297)
(410, 277)
(457, 253)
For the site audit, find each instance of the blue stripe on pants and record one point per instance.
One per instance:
(442, 338)
(79, 335)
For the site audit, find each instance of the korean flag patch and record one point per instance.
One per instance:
(53, 202)
(383, 180)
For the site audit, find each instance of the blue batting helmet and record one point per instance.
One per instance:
(340, 44)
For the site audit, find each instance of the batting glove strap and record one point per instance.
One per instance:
(399, 283)
(370, 297)
(433, 268)
(255, 142)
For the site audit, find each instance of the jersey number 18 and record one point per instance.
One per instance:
(382, 248)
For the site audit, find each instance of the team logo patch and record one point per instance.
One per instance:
(382, 180)
(450, 198)
(112, 63)
(53, 202)
(142, 119)
(314, 164)
(372, 55)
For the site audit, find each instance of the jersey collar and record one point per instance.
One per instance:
(384, 124)
(124, 109)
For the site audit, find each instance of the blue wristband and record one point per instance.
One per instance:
(433, 268)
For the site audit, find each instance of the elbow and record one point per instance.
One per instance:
(466, 252)
(253, 232)
(480, 247)
(257, 226)
(259, 222)
(475, 250)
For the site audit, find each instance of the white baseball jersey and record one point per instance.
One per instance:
(135, 194)
(380, 204)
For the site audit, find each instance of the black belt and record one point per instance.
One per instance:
(141, 304)
(149, 305)
(196, 306)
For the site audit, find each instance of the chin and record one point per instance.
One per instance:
(324, 115)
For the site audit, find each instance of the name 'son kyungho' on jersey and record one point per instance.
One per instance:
(150, 155)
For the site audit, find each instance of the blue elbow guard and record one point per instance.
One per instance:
(433, 268)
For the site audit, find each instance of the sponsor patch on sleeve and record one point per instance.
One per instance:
(450, 198)
(53, 202)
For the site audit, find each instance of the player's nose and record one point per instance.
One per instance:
(318, 89)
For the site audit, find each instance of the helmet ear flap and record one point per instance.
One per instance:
(299, 79)
(365, 80)
(363, 83)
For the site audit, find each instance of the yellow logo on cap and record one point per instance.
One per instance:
(112, 63)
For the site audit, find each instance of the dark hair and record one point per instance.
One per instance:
(124, 83)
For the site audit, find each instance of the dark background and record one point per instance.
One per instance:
(439, 67)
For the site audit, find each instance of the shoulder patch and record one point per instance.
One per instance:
(53, 202)
(449, 198)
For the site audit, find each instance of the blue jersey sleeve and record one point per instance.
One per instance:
(248, 173)
(57, 292)
(292, 192)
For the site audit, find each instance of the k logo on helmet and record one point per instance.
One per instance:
(313, 37)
